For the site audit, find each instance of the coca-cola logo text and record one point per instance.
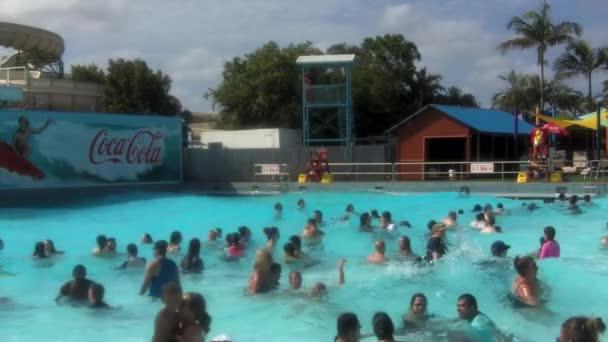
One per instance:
(141, 148)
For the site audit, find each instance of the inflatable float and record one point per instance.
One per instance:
(13, 162)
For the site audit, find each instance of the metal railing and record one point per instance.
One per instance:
(14, 76)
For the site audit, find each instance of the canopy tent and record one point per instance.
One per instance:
(587, 120)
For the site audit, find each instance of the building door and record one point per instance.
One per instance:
(443, 151)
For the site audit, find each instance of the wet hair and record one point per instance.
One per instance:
(289, 249)
(161, 247)
(271, 232)
(561, 196)
(583, 329)
(476, 208)
(469, 299)
(296, 241)
(300, 202)
(113, 241)
(148, 238)
(522, 264)
(452, 214)
(176, 238)
(417, 295)
(347, 324)
(498, 229)
(383, 326)
(408, 243)
(98, 292)
(132, 249)
(460, 212)
(542, 240)
(363, 218)
(51, 245)
(549, 233)
(319, 213)
(79, 271)
(197, 304)
(491, 221)
(387, 216)
(573, 199)
(194, 252)
(487, 207)
(219, 232)
(350, 208)
(431, 224)
(278, 206)
(39, 250)
(374, 213)
(500, 206)
(480, 217)
(229, 239)
(244, 231)
(102, 241)
(236, 239)
(587, 198)
(312, 221)
(405, 224)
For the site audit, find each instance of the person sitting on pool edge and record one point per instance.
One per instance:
(526, 288)
(378, 257)
(416, 317)
(146, 239)
(192, 262)
(159, 271)
(581, 329)
(132, 259)
(96, 293)
(550, 248)
(167, 319)
(175, 241)
(365, 223)
(76, 289)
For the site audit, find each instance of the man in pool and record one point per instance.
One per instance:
(76, 289)
(96, 292)
(167, 320)
(159, 272)
(132, 259)
(378, 257)
(477, 326)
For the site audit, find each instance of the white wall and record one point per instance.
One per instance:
(253, 138)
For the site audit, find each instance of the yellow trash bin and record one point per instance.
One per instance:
(301, 178)
(556, 177)
(327, 178)
(522, 177)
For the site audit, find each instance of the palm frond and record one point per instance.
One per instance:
(521, 43)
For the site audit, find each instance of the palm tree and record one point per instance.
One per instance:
(537, 30)
(426, 86)
(581, 59)
(518, 93)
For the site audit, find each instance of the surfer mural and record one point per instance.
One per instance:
(87, 149)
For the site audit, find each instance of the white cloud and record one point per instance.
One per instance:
(394, 16)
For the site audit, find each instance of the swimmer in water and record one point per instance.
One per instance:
(96, 293)
(490, 227)
(218, 231)
(378, 257)
(76, 289)
(275, 274)
(480, 221)
(405, 249)
(295, 280)
(488, 212)
(311, 233)
(365, 223)
(450, 221)
(477, 208)
(195, 322)
(278, 210)
(167, 320)
(349, 328)
(581, 329)
(350, 210)
(110, 249)
(102, 241)
(550, 248)
(499, 249)
(500, 210)
(159, 272)
(319, 289)
(561, 199)
(290, 253)
(272, 236)
(318, 217)
(212, 238)
(384, 328)
(416, 318)
(39, 252)
(436, 248)
(244, 235)
(175, 241)
(526, 287)
(301, 204)
(573, 207)
(261, 279)
(192, 262)
(49, 248)
(386, 221)
(374, 214)
(587, 201)
(235, 249)
(146, 239)
(23, 134)
(604, 241)
(133, 260)
(479, 327)
(532, 206)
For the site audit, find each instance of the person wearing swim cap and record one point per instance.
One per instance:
(378, 257)
(159, 272)
(499, 249)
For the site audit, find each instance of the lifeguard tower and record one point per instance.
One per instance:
(327, 104)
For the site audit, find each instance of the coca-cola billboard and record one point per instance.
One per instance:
(39, 149)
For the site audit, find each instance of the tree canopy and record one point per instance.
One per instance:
(88, 73)
(264, 87)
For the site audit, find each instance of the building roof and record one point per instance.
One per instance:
(325, 59)
(481, 120)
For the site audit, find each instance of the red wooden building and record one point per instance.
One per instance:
(440, 134)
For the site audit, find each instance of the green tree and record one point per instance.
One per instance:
(262, 89)
(132, 87)
(426, 87)
(517, 94)
(454, 96)
(87, 73)
(581, 59)
(536, 29)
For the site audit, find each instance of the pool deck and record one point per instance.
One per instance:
(74, 195)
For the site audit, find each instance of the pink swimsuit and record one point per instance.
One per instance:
(550, 249)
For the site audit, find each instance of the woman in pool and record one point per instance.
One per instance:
(100, 250)
(159, 272)
(378, 257)
(244, 235)
(479, 222)
(49, 248)
(365, 224)
(290, 253)
(175, 241)
(39, 252)
(311, 233)
(96, 293)
(526, 287)
(416, 317)
(110, 249)
(386, 221)
(450, 221)
(195, 322)
(167, 321)
(192, 262)
(278, 210)
(350, 210)
(550, 248)
(317, 215)
(272, 236)
(146, 239)
(581, 329)
(383, 327)
(236, 249)
(260, 280)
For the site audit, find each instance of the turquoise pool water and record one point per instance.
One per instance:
(576, 280)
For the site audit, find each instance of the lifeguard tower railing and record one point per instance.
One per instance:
(327, 106)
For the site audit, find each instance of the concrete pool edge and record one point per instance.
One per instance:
(50, 196)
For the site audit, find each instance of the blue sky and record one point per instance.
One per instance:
(190, 39)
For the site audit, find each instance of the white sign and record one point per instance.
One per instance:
(271, 169)
(482, 167)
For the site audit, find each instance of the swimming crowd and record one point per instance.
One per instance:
(184, 316)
